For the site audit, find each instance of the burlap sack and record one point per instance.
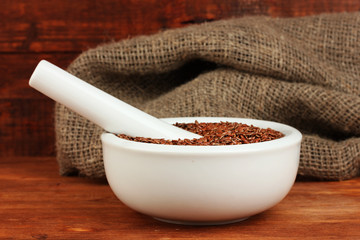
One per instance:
(300, 71)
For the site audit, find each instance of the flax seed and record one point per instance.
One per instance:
(221, 133)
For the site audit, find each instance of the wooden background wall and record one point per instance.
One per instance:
(59, 30)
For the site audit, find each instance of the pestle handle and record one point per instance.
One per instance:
(101, 108)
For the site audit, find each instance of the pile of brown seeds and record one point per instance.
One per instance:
(221, 133)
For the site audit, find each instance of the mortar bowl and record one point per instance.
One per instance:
(203, 185)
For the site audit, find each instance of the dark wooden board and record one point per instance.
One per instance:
(31, 30)
(36, 203)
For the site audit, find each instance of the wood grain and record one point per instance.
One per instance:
(285, 8)
(36, 203)
(56, 30)
(50, 26)
(26, 116)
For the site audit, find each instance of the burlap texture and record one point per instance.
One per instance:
(303, 72)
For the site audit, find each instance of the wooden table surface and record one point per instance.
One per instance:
(37, 203)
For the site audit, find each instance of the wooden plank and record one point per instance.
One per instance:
(52, 26)
(36, 203)
(26, 127)
(26, 116)
(16, 70)
(37, 26)
(60, 30)
(286, 8)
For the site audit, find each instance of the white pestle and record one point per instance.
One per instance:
(101, 108)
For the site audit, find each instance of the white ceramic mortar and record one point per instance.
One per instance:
(202, 185)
